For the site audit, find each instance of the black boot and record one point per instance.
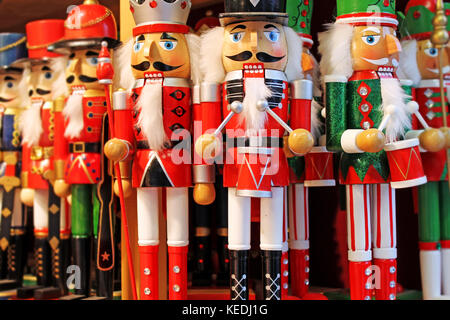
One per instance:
(224, 262)
(16, 257)
(42, 259)
(239, 279)
(3, 263)
(202, 262)
(82, 258)
(271, 274)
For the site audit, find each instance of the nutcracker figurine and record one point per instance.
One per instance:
(152, 127)
(302, 169)
(254, 58)
(360, 54)
(13, 100)
(80, 168)
(37, 124)
(419, 63)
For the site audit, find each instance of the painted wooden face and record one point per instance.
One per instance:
(9, 90)
(164, 52)
(427, 59)
(374, 47)
(41, 81)
(82, 69)
(254, 42)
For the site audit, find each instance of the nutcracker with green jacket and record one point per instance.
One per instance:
(366, 113)
(419, 63)
(13, 100)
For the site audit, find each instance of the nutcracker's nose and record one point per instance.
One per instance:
(393, 44)
(151, 51)
(254, 41)
(74, 65)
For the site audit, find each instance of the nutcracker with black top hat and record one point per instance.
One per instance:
(254, 58)
(366, 115)
(157, 67)
(80, 168)
(13, 100)
(50, 214)
(419, 63)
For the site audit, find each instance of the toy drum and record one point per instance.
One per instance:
(405, 164)
(254, 178)
(319, 168)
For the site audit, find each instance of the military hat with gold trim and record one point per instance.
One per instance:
(257, 10)
(12, 48)
(87, 26)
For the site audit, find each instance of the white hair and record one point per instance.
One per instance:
(408, 68)
(211, 65)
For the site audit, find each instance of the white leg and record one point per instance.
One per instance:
(358, 223)
(430, 269)
(384, 222)
(177, 217)
(64, 225)
(239, 225)
(285, 220)
(272, 221)
(19, 215)
(40, 210)
(148, 210)
(446, 271)
(298, 217)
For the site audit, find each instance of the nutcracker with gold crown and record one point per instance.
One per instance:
(80, 168)
(152, 123)
(13, 100)
(248, 66)
(37, 124)
(419, 63)
(366, 115)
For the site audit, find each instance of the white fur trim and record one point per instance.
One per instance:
(255, 90)
(150, 118)
(316, 124)
(211, 64)
(30, 124)
(335, 78)
(393, 94)
(335, 48)
(59, 86)
(193, 42)
(73, 112)
(123, 75)
(293, 69)
(348, 141)
(408, 68)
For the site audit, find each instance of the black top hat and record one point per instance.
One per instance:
(259, 10)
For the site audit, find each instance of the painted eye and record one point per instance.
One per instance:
(138, 46)
(92, 61)
(168, 45)
(272, 36)
(48, 75)
(236, 37)
(10, 84)
(432, 52)
(371, 40)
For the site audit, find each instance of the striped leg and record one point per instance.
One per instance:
(239, 215)
(299, 238)
(444, 208)
(384, 241)
(359, 241)
(148, 241)
(285, 249)
(272, 216)
(177, 241)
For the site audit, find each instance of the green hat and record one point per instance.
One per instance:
(418, 22)
(364, 12)
(300, 13)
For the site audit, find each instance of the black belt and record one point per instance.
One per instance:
(82, 147)
(143, 144)
(267, 142)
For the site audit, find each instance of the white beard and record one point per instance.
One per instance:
(73, 111)
(255, 90)
(30, 124)
(150, 118)
(393, 94)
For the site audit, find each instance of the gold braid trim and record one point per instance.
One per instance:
(14, 44)
(39, 46)
(89, 23)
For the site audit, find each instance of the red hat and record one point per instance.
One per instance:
(41, 34)
(87, 25)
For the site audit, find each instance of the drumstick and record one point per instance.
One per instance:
(390, 110)
(236, 108)
(413, 108)
(263, 105)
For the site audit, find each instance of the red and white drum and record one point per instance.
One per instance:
(319, 168)
(405, 164)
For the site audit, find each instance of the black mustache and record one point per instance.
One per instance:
(42, 92)
(84, 78)
(160, 66)
(5, 100)
(70, 79)
(143, 66)
(243, 56)
(265, 57)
